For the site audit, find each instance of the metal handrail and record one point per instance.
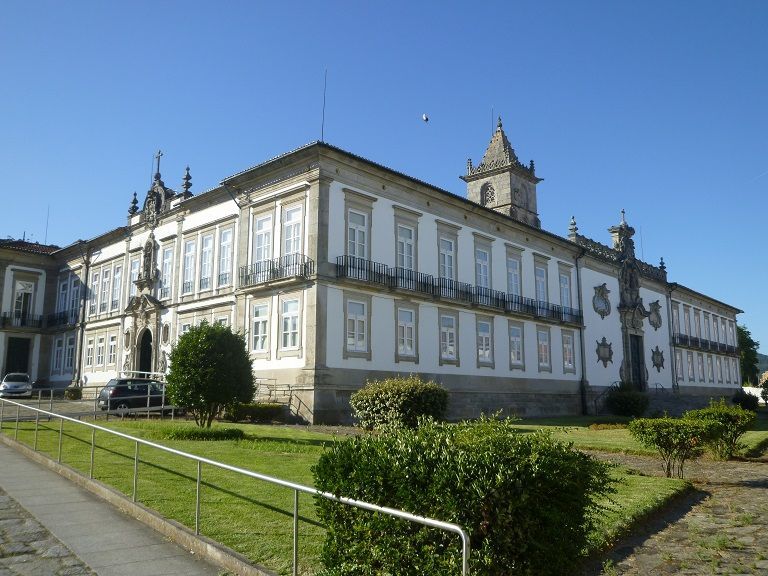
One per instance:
(439, 524)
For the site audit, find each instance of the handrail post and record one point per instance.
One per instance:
(2, 409)
(295, 532)
(197, 498)
(61, 433)
(50, 403)
(16, 433)
(135, 470)
(37, 422)
(93, 447)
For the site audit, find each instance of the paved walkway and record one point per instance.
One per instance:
(47, 523)
(719, 528)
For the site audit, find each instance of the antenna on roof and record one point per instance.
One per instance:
(325, 88)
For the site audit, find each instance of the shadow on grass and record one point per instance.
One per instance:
(643, 529)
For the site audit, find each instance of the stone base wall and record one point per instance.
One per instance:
(673, 403)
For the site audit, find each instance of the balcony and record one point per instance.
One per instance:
(65, 318)
(407, 279)
(360, 269)
(452, 290)
(283, 268)
(703, 344)
(20, 320)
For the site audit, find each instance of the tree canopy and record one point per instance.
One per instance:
(210, 368)
(748, 355)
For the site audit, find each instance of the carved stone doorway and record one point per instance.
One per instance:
(145, 352)
(637, 361)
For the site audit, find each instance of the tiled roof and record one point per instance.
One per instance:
(24, 246)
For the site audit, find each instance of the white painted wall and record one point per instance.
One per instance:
(597, 328)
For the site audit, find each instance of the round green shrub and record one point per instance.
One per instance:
(527, 501)
(261, 412)
(73, 393)
(734, 421)
(626, 401)
(745, 400)
(398, 402)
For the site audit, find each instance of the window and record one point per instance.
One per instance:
(723, 333)
(727, 371)
(516, 357)
(185, 328)
(719, 363)
(260, 327)
(569, 360)
(89, 352)
(543, 349)
(69, 354)
(715, 326)
(189, 267)
(225, 257)
(116, 280)
(262, 239)
(357, 234)
(514, 280)
(289, 322)
(94, 293)
(482, 270)
(707, 332)
(134, 276)
(678, 365)
(565, 288)
(710, 371)
(689, 358)
(731, 335)
(687, 319)
(446, 258)
(540, 274)
(74, 301)
(675, 318)
(357, 327)
(222, 321)
(405, 247)
(448, 342)
(61, 305)
(735, 370)
(292, 231)
(700, 362)
(484, 342)
(406, 333)
(206, 262)
(58, 353)
(22, 305)
(112, 350)
(104, 301)
(697, 323)
(100, 351)
(166, 272)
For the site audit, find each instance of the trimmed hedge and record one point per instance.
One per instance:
(171, 432)
(734, 421)
(625, 400)
(526, 500)
(398, 402)
(676, 439)
(263, 412)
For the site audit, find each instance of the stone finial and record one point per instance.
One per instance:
(572, 229)
(469, 166)
(662, 265)
(187, 183)
(498, 124)
(134, 205)
(623, 219)
(532, 167)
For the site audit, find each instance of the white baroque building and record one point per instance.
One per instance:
(340, 270)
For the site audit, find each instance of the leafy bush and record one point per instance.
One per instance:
(676, 439)
(764, 390)
(254, 412)
(526, 500)
(197, 433)
(733, 421)
(73, 393)
(625, 400)
(745, 400)
(398, 402)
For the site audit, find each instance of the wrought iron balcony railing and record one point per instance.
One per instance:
(64, 318)
(283, 268)
(703, 344)
(19, 320)
(453, 290)
(165, 292)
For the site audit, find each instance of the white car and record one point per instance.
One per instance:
(16, 385)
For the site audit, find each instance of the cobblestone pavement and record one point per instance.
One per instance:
(719, 528)
(28, 549)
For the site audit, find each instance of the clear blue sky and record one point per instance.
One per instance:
(656, 107)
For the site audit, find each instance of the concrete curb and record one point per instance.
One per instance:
(201, 546)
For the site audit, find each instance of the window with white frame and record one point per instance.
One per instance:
(482, 267)
(715, 329)
(289, 322)
(357, 326)
(69, 354)
(710, 370)
(166, 272)
(731, 334)
(727, 371)
(484, 341)
(357, 234)
(735, 365)
(61, 305)
(447, 258)
(406, 247)
(185, 327)
(544, 352)
(700, 364)
(94, 299)
(58, 354)
(516, 354)
(222, 321)
(206, 262)
(707, 331)
(135, 263)
(225, 257)
(112, 350)
(540, 277)
(117, 280)
(406, 332)
(687, 319)
(679, 365)
(100, 351)
(262, 239)
(675, 318)
(514, 273)
(723, 333)
(188, 285)
(448, 338)
(565, 288)
(292, 231)
(569, 357)
(104, 300)
(689, 359)
(89, 352)
(22, 303)
(697, 323)
(260, 327)
(719, 364)
(74, 301)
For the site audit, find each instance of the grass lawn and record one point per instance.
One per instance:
(255, 518)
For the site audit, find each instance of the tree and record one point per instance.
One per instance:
(210, 368)
(748, 355)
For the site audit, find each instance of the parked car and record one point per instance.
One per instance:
(16, 385)
(131, 393)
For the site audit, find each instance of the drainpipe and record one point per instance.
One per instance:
(583, 379)
(83, 302)
(673, 358)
